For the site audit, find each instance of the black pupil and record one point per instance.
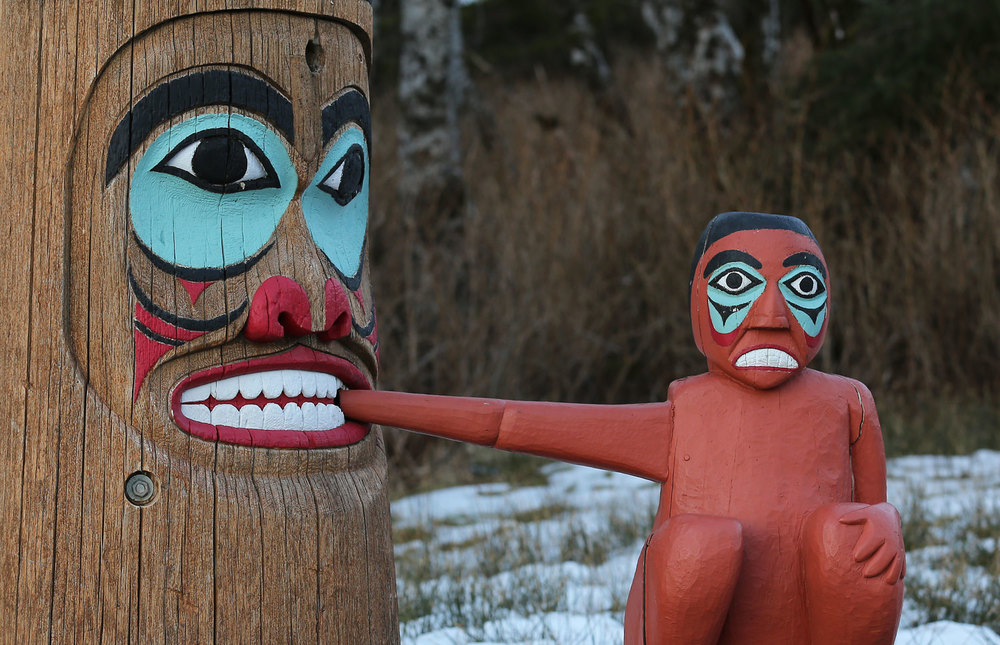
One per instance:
(352, 174)
(807, 284)
(219, 160)
(734, 281)
(354, 170)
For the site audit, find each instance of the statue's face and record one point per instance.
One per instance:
(760, 305)
(219, 284)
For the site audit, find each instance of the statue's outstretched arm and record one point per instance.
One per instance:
(633, 439)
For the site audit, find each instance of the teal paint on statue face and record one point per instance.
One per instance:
(335, 204)
(805, 292)
(210, 191)
(732, 290)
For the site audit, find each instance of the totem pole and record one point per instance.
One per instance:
(773, 525)
(187, 293)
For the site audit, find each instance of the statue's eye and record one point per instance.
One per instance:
(345, 179)
(805, 285)
(735, 281)
(221, 160)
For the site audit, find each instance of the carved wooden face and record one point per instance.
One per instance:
(760, 304)
(219, 284)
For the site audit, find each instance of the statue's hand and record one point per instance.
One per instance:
(881, 543)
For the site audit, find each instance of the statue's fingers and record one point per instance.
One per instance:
(895, 570)
(879, 562)
(867, 544)
(859, 516)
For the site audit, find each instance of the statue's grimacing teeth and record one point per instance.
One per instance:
(287, 400)
(767, 358)
(273, 400)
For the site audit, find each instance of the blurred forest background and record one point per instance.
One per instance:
(543, 168)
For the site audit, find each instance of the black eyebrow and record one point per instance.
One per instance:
(807, 258)
(730, 255)
(349, 107)
(211, 87)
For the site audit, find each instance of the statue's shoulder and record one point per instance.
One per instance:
(685, 386)
(851, 390)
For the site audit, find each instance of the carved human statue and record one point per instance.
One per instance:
(198, 294)
(773, 525)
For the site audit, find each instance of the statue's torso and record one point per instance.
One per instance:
(766, 458)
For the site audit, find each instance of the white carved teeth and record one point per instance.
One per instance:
(308, 416)
(308, 384)
(251, 416)
(225, 415)
(197, 413)
(199, 393)
(768, 357)
(226, 389)
(271, 384)
(251, 385)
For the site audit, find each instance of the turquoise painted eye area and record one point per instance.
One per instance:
(210, 191)
(732, 288)
(804, 289)
(335, 204)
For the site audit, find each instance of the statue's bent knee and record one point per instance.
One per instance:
(687, 574)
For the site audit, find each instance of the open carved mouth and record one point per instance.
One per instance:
(287, 400)
(771, 358)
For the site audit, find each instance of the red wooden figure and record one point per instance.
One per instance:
(773, 525)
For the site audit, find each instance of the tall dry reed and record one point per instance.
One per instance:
(565, 274)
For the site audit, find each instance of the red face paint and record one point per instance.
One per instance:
(769, 346)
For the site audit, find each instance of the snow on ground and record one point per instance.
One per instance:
(552, 564)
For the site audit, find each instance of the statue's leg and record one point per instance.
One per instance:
(684, 582)
(845, 608)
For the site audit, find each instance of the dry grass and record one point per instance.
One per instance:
(564, 276)
(954, 564)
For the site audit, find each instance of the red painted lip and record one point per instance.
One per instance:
(767, 368)
(300, 358)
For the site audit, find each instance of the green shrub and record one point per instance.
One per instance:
(899, 65)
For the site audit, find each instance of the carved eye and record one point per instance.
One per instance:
(345, 179)
(805, 285)
(221, 160)
(735, 282)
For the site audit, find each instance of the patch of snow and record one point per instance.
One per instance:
(577, 503)
(946, 632)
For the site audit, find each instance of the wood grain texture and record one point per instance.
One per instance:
(241, 544)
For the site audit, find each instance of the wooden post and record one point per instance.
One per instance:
(185, 210)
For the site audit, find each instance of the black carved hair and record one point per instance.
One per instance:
(726, 223)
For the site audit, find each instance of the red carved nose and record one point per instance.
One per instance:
(280, 309)
(769, 311)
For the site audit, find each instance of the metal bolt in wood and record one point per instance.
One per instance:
(140, 489)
